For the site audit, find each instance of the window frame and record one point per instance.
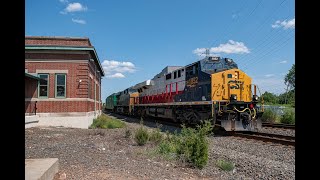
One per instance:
(48, 76)
(65, 85)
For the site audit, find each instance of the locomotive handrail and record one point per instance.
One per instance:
(262, 101)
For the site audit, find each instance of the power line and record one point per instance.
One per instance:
(229, 25)
(266, 38)
(272, 50)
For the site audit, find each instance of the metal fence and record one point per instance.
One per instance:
(278, 109)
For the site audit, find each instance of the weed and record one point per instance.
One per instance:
(225, 165)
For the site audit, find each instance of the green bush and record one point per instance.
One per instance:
(105, 122)
(190, 145)
(141, 136)
(269, 115)
(193, 144)
(166, 147)
(156, 136)
(225, 165)
(288, 117)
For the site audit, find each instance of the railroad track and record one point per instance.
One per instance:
(151, 120)
(278, 125)
(274, 138)
(266, 137)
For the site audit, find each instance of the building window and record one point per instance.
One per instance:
(43, 85)
(60, 85)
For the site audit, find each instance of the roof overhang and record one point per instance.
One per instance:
(31, 76)
(69, 48)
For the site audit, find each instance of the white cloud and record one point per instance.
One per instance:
(283, 62)
(269, 75)
(75, 7)
(231, 47)
(202, 52)
(116, 75)
(117, 67)
(285, 24)
(79, 21)
(64, 1)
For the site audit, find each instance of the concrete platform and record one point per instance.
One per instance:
(41, 169)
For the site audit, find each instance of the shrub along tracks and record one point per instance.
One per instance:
(261, 136)
(91, 154)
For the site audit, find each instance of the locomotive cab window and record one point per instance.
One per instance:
(168, 76)
(175, 75)
(179, 73)
(192, 70)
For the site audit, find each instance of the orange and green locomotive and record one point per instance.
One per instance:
(213, 88)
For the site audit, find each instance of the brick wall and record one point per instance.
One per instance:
(57, 56)
(30, 87)
(74, 89)
(57, 41)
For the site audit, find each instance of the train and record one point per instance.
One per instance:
(213, 89)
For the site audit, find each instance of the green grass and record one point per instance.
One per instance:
(277, 104)
(141, 136)
(225, 165)
(269, 116)
(156, 136)
(105, 122)
(288, 117)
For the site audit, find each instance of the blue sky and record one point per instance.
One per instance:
(136, 39)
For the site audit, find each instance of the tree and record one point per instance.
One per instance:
(270, 97)
(289, 80)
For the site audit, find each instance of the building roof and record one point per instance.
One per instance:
(31, 76)
(58, 41)
(62, 43)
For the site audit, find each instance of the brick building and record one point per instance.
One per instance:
(63, 78)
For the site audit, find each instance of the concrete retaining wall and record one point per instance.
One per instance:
(73, 120)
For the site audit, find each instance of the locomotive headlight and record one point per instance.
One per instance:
(233, 97)
(255, 98)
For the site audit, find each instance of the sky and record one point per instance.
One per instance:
(136, 39)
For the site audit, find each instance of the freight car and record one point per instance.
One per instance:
(122, 102)
(111, 102)
(212, 88)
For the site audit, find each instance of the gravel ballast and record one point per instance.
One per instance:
(280, 131)
(108, 154)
